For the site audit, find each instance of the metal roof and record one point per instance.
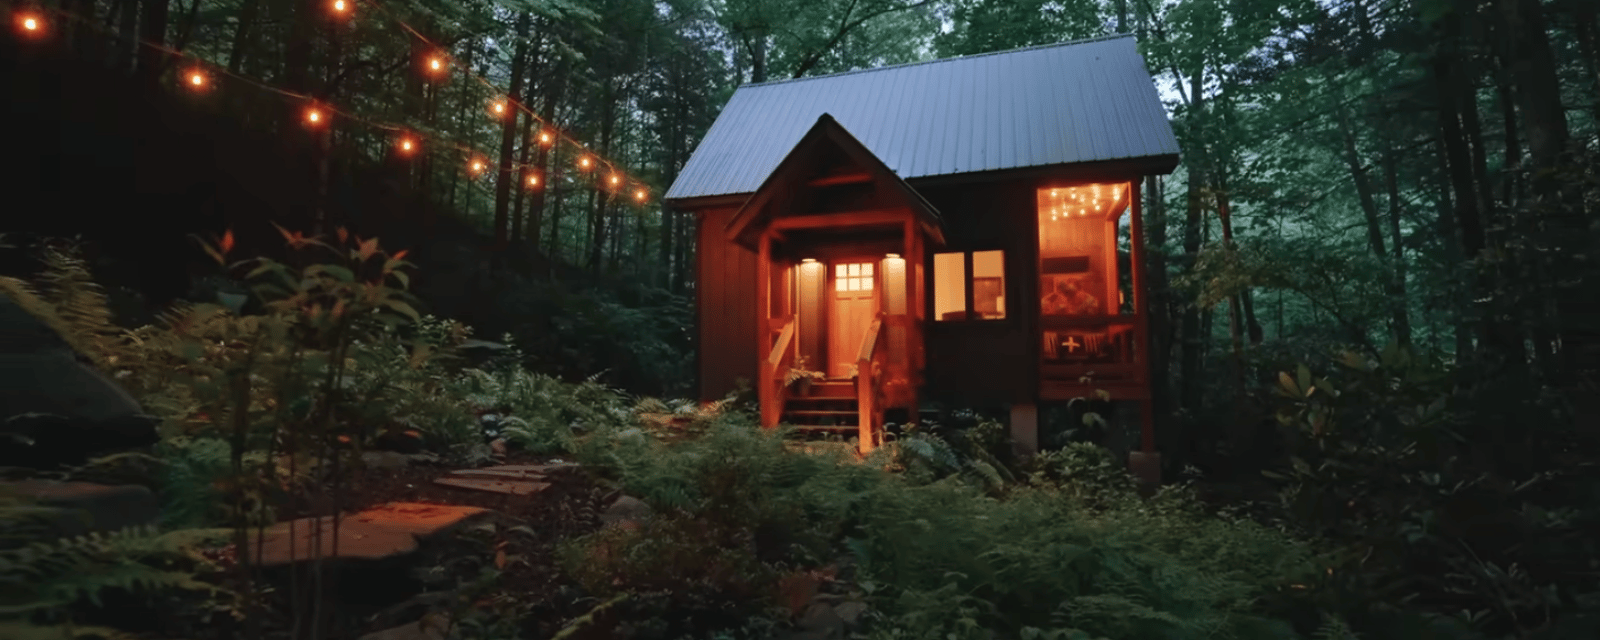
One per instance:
(1081, 101)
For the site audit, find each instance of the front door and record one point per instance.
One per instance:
(853, 306)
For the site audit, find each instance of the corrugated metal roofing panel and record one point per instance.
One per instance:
(1082, 101)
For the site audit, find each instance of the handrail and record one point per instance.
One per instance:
(868, 386)
(773, 391)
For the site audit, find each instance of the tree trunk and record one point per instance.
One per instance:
(1369, 209)
(1191, 339)
(127, 35)
(1391, 183)
(508, 136)
(243, 35)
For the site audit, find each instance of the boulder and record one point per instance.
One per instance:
(84, 507)
(56, 409)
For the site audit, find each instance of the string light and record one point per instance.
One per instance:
(30, 23)
(198, 78)
(640, 195)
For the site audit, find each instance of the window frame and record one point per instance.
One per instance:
(931, 281)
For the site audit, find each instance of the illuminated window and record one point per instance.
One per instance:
(852, 277)
(983, 273)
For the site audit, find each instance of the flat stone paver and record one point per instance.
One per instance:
(390, 530)
(504, 486)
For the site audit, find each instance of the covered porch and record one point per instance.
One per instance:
(840, 243)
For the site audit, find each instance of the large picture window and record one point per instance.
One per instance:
(969, 285)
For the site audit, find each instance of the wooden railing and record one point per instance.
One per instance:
(773, 392)
(869, 383)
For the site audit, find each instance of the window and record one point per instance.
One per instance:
(978, 296)
(852, 277)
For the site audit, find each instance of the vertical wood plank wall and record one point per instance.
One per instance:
(727, 308)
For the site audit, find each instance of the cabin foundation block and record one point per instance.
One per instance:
(1145, 467)
(1025, 428)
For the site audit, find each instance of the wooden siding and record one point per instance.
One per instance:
(989, 360)
(726, 308)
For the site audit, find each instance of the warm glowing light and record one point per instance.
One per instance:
(585, 162)
(313, 115)
(407, 145)
(30, 23)
(500, 108)
(341, 6)
(544, 137)
(640, 195)
(891, 256)
(808, 260)
(197, 79)
(533, 180)
(436, 64)
(477, 166)
(615, 179)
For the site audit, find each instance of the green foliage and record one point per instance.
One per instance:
(1417, 506)
(42, 578)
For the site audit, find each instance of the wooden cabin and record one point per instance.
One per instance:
(966, 229)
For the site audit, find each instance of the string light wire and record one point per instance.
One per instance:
(35, 22)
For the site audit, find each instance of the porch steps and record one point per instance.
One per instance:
(829, 407)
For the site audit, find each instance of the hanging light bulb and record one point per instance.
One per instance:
(436, 65)
(615, 179)
(197, 79)
(477, 166)
(640, 195)
(341, 7)
(314, 116)
(407, 145)
(499, 108)
(544, 137)
(30, 23)
(533, 180)
(585, 162)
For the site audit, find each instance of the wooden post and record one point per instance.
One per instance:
(1141, 320)
(769, 386)
(1145, 463)
(1025, 428)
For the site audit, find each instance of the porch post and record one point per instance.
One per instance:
(769, 385)
(1146, 462)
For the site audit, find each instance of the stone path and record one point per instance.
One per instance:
(510, 479)
(381, 532)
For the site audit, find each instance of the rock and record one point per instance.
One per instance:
(434, 626)
(850, 612)
(626, 509)
(821, 618)
(87, 507)
(498, 447)
(56, 409)
(385, 460)
(507, 487)
(390, 530)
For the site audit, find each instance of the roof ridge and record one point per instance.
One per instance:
(1053, 45)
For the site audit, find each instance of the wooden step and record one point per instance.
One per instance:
(821, 412)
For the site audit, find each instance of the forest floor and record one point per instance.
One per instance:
(503, 561)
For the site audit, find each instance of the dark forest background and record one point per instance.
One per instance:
(1374, 288)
